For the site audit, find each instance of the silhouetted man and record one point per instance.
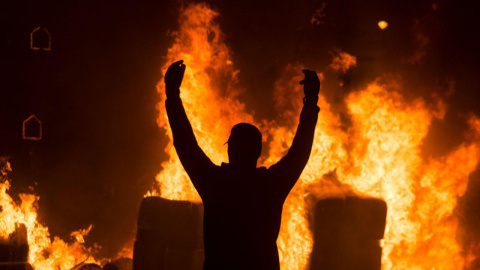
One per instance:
(243, 203)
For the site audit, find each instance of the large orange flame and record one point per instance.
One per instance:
(378, 156)
(421, 195)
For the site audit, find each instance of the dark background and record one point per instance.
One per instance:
(95, 90)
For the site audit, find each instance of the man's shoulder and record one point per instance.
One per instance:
(262, 169)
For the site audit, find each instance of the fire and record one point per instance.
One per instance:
(382, 24)
(343, 61)
(209, 94)
(421, 195)
(43, 252)
(379, 155)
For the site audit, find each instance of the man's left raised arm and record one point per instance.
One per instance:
(290, 167)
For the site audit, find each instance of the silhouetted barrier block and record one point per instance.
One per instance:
(347, 233)
(169, 235)
(14, 250)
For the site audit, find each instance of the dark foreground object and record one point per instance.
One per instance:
(14, 250)
(169, 235)
(347, 234)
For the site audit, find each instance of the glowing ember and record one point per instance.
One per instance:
(379, 155)
(382, 24)
(44, 253)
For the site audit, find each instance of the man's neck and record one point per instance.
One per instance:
(244, 165)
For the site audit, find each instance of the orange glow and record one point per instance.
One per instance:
(379, 155)
(342, 61)
(44, 254)
(382, 24)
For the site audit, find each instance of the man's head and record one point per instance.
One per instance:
(244, 145)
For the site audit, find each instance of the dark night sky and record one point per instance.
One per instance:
(95, 91)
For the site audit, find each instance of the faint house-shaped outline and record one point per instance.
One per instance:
(27, 124)
(40, 39)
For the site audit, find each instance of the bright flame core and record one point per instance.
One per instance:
(382, 24)
(379, 155)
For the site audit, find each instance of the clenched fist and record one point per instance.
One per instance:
(311, 84)
(173, 79)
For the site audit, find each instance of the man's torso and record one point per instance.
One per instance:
(242, 219)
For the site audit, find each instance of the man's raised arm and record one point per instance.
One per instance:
(193, 159)
(290, 167)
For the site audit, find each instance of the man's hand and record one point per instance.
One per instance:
(311, 84)
(173, 79)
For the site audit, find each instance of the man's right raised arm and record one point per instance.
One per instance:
(193, 159)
